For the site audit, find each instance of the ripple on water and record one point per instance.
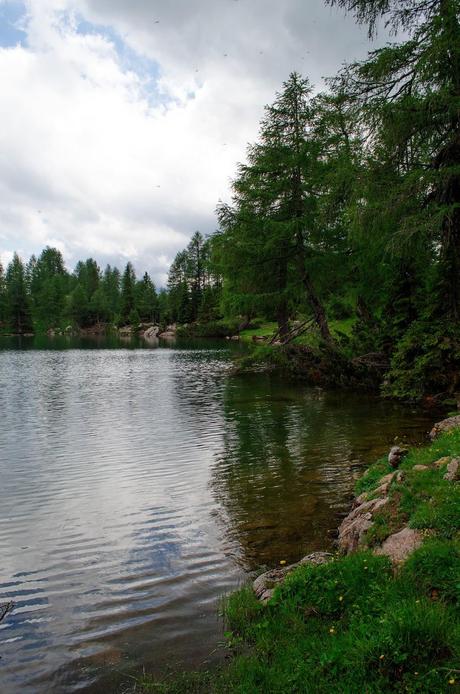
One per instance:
(139, 485)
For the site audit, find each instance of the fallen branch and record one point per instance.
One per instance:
(5, 608)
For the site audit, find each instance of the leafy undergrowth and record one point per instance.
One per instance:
(355, 625)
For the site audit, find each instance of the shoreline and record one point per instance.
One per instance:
(401, 539)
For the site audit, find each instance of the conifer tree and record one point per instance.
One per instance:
(407, 97)
(128, 296)
(146, 299)
(18, 314)
(2, 297)
(271, 230)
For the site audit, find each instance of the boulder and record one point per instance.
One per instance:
(360, 499)
(152, 332)
(386, 479)
(125, 331)
(442, 461)
(265, 584)
(167, 335)
(398, 546)
(420, 468)
(452, 473)
(357, 523)
(445, 425)
(395, 455)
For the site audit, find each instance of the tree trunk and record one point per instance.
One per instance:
(318, 309)
(282, 319)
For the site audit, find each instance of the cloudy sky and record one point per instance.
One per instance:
(121, 121)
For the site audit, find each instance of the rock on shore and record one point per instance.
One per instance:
(352, 532)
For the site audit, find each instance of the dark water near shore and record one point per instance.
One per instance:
(139, 484)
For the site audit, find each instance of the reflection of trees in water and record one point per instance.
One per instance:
(286, 466)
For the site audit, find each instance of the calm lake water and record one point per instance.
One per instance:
(139, 484)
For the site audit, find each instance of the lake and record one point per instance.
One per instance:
(141, 483)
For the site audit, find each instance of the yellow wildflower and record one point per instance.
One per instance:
(283, 561)
(332, 630)
(341, 598)
(452, 680)
(382, 657)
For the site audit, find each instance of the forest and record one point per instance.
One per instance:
(347, 208)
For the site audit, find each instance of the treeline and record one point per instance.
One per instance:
(194, 284)
(349, 204)
(43, 295)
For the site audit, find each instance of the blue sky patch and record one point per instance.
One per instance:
(11, 14)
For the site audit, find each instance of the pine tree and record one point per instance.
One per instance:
(18, 315)
(146, 299)
(407, 97)
(270, 231)
(128, 296)
(48, 283)
(2, 297)
(111, 287)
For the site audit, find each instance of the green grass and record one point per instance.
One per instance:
(424, 499)
(350, 626)
(264, 328)
(339, 328)
(355, 625)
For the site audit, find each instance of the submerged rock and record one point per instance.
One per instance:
(265, 584)
(398, 546)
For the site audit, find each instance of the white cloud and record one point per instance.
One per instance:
(104, 154)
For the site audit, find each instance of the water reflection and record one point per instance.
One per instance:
(138, 485)
(289, 461)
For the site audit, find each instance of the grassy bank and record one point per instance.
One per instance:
(357, 624)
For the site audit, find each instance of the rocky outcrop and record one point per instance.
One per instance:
(126, 331)
(452, 473)
(352, 532)
(353, 528)
(265, 584)
(152, 332)
(169, 333)
(445, 425)
(398, 546)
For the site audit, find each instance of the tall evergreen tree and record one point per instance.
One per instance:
(272, 228)
(128, 312)
(407, 96)
(18, 314)
(111, 281)
(48, 283)
(146, 299)
(2, 297)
